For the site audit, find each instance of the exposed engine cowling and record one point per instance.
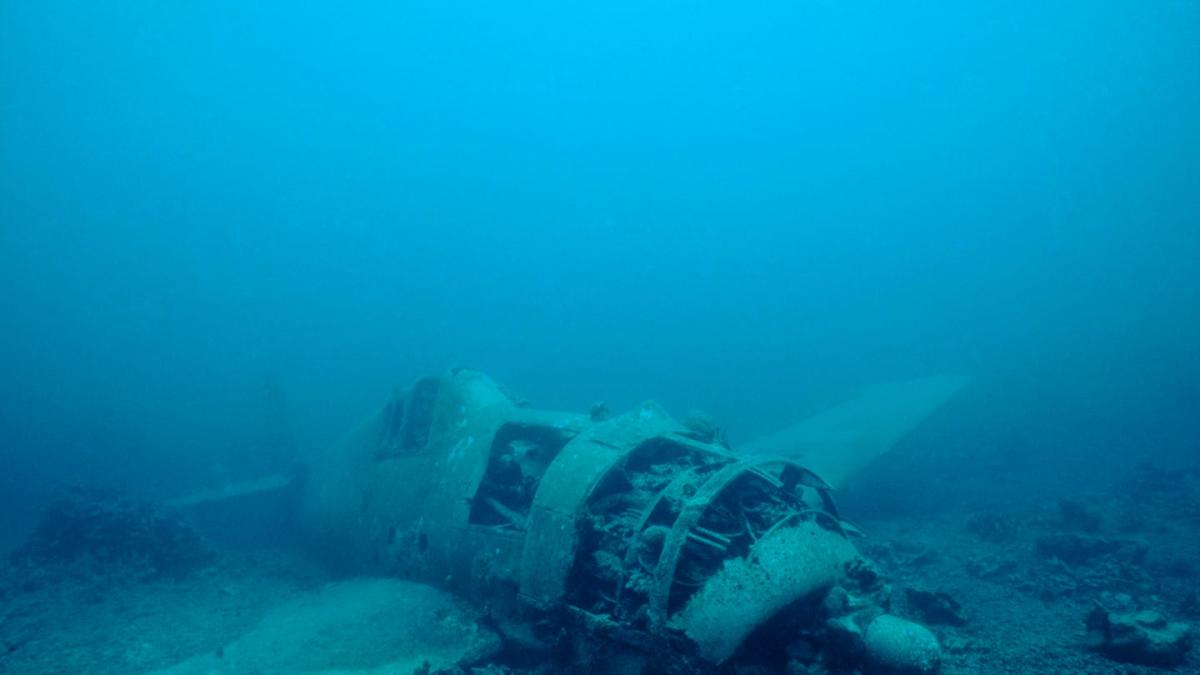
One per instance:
(636, 539)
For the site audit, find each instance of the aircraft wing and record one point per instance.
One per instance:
(842, 441)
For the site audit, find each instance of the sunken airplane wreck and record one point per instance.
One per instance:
(632, 543)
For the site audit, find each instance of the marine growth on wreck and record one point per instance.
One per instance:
(633, 540)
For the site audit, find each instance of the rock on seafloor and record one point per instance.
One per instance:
(1144, 637)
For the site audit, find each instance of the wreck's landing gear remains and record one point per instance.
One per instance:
(632, 539)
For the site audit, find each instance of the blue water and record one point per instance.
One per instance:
(750, 210)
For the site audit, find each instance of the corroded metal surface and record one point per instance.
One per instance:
(631, 529)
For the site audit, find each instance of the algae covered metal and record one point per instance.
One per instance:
(635, 539)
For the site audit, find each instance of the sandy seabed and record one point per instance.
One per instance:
(1006, 602)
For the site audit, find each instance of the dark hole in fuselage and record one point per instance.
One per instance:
(520, 455)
